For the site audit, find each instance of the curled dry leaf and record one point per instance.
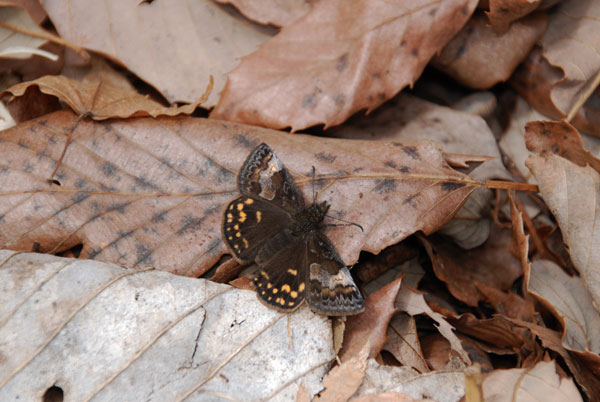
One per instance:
(338, 59)
(480, 58)
(12, 40)
(151, 192)
(94, 329)
(176, 59)
(541, 382)
(560, 138)
(102, 93)
(276, 12)
(573, 194)
(565, 73)
(570, 301)
(503, 12)
(491, 264)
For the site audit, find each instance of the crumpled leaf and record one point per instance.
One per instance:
(541, 382)
(571, 302)
(572, 193)
(480, 58)
(276, 12)
(562, 75)
(338, 59)
(102, 93)
(102, 332)
(143, 192)
(174, 47)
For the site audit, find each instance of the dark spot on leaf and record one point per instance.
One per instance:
(340, 100)
(243, 141)
(390, 164)
(143, 254)
(405, 169)
(410, 200)
(93, 253)
(79, 196)
(376, 75)
(451, 186)
(412, 152)
(403, 43)
(43, 154)
(461, 50)
(545, 132)
(108, 169)
(414, 51)
(23, 145)
(160, 216)
(503, 10)
(143, 182)
(55, 182)
(381, 96)
(436, 120)
(370, 98)
(3, 169)
(432, 11)
(1, 218)
(120, 208)
(80, 183)
(386, 186)
(309, 101)
(464, 10)
(190, 223)
(223, 175)
(326, 157)
(341, 64)
(555, 149)
(28, 167)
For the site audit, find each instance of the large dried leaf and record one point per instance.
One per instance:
(147, 191)
(572, 193)
(480, 58)
(276, 12)
(99, 331)
(571, 302)
(339, 58)
(541, 383)
(174, 47)
(102, 93)
(403, 342)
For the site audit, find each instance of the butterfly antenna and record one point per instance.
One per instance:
(346, 223)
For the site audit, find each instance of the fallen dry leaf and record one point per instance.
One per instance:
(343, 380)
(102, 93)
(276, 12)
(538, 383)
(94, 329)
(403, 342)
(480, 58)
(338, 59)
(503, 12)
(559, 138)
(568, 298)
(371, 325)
(571, 192)
(143, 192)
(196, 39)
(17, 43)
(491, 264)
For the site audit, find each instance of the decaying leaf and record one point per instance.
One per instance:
(541, 382)
(480, 58)
(403, 342)
(174, 47)
(94, 329)
(503, 12)
(276, 12)
(102, 93)
(571, 302)
(150, 192)
(572, 193)
(339, 58)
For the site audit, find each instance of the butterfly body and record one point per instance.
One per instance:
(270, 225)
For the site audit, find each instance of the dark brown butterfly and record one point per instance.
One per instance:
(270, 225)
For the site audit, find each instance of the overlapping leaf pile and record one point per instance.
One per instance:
(461, 136)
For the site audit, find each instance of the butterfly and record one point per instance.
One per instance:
(270, 225)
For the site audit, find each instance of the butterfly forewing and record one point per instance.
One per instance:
(281, 281)
(263, 176)
(248, 223)
(331, 289)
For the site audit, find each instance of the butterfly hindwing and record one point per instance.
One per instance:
(281, 279)
(248, 223)
(331, 289)
(263, 176)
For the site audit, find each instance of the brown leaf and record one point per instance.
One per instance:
(403, 342)
(497, 333)
(146, 191)
(480, 58)
(438, 353)
(572, 193)
(571, 49)
(491, 264)
(102, 93)
(370, 326)
(559, 138)
(195, 40)
(387, 396)
(503, 12)
(274, 12)
(540, 383)
(507, 303)
(338, 59)
(571, 303)
(343, 380)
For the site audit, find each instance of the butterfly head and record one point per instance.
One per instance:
(319, 210)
